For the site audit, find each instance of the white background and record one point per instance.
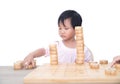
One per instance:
(26, 25)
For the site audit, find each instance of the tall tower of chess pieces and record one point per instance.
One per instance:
(53, 54)
(79, 45)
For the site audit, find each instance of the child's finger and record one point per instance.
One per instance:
(27, 63)
(33, 63)
(113, 63)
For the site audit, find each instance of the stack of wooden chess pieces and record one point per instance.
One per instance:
(53, 54)
(79, 45)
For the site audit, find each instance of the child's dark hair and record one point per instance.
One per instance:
(76, 19)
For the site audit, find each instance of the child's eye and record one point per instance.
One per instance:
(59, 28)
(66, 28)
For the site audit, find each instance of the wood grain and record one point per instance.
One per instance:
(70, 73)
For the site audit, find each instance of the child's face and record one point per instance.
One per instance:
(66, 31)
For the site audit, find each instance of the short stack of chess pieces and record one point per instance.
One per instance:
(53, 54)
(79, 45)
(18, 65)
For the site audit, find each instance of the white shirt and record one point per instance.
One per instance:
(68, 55)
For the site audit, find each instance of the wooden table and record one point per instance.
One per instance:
(70, 74)
(10, 76)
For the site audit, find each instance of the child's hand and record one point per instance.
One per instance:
(29, 60)
(116, 59)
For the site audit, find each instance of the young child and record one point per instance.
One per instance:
(116, 59)
(67, 46)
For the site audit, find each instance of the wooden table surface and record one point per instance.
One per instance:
(10, 76)
(70, 74)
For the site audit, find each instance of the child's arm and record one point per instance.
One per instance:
(116, 59)
(29, 59)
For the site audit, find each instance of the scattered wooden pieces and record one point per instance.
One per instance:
(94, 65)
(90, 62)
(18, 65)
(117, 66)
(103, 61)
(110, 71)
